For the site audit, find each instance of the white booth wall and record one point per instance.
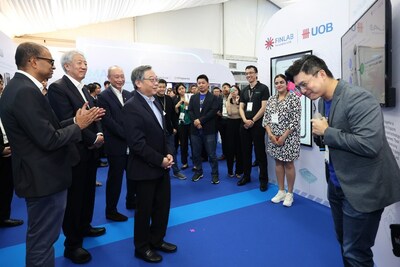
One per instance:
(332, 18)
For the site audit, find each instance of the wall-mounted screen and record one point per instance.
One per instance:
(366, 52)
(278, 66)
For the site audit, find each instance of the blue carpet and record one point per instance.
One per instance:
(213, 225)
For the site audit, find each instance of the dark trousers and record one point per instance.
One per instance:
(80, 202)
(117, 166)
(356, 231)
(209, 142)
(234, 146)
(6, 187)
(153, 199)
(45, 216)
(222, 125)
(184, 135)
(254, 135)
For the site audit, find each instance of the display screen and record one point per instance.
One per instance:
(366, 53)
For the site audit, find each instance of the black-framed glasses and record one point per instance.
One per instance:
(152, 79)
(301, 86)
(50, 60)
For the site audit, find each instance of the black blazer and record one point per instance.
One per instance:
(208, 114)
(65, 100)
(41, 155)
(146, 140)
(171, 118)
(114, 135)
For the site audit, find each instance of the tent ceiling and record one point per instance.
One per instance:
(19, 17)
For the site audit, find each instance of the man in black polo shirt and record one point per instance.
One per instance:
(253, 101)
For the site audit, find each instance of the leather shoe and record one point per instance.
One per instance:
(77, 255)
(166, 247)
(116, 217)
(148, 255)
(11, 223)
(243, 181)
(96, 231)
(263, 186)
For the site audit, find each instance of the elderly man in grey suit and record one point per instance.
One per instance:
(362, 173)
(42, 154)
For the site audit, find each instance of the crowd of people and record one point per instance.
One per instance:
(53, 139)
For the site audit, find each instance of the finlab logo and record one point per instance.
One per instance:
(278, 41)
(269, 43)
(317, 30)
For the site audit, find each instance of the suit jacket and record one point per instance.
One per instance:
(207, 115)
(65, 100)
(363, 161)
(171, 119)
(41, 157)
(114, 135)
(146, 140)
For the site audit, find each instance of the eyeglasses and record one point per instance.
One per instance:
(50, 60)
(302, 86)
(152, 79)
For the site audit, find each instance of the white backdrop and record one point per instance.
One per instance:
(318, 26)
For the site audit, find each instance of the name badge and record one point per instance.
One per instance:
(224, 112)
(181, 116)
(326, 154)
(249, 106)
(275, 118)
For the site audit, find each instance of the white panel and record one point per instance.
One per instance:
(198, 27)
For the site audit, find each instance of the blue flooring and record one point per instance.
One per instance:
(213, 225)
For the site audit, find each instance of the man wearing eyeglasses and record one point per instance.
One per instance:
(362, 173)
(149, 161)
(42, 150)
(253, 101)
(66, 95)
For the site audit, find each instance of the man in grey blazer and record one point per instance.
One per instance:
(42, 154)
(362, 173)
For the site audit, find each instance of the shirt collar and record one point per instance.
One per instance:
(79, 85)
(34, 80)
(148, 99)
(116, 91)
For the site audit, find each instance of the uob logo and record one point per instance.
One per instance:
(318, 30)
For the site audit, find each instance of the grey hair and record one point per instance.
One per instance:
(138, 74)
(113, 67)
(68, 56)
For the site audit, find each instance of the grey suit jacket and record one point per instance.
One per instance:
(363, 161)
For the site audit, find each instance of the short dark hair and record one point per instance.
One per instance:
(96, 83)
(27, 50)
(91, 87)
(202, 76)
(309, 64)
(106, 83)
(252, 67)
(162, 81)
(226, 84)
(216, 87)
(1, 77)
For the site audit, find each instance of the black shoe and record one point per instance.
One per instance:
(215, 179)
(254, 164)
(243, 181)
(148, 255)
(95, 231)
(130, 206)
(11, 223)
(197, 176)
(77, 255)
(263, 186)
(166, 247)
(116, 217)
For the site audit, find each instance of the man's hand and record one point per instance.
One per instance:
(248, 124)
(6, 152)
(84, 117)
(319, 126)
(167, 162)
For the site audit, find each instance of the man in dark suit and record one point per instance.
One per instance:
(148, 165)
(66, 95)
(362, 173)
(112, 100)
(203, 108)
(42, 156)
(6, 180)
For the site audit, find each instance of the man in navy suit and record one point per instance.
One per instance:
(42, 149)
(362, 173)
(203, 108)
(66, 95)
(112, 100)
(150, 159)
